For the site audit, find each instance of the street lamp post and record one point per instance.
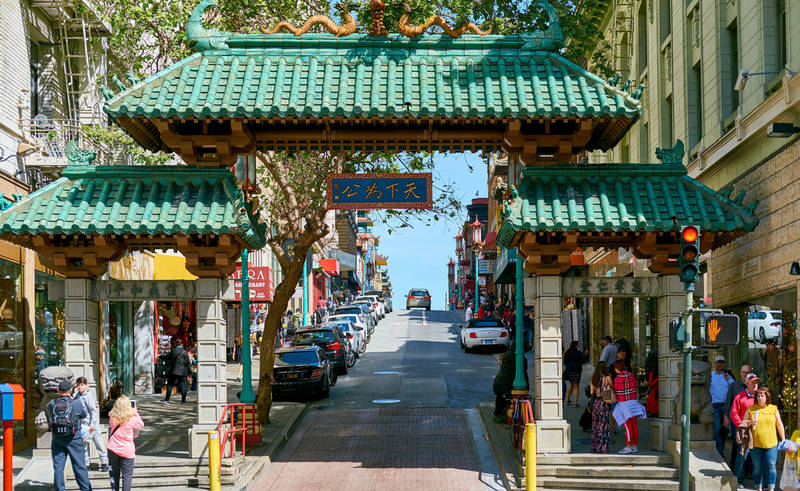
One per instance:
(477, 241)
(459, 254)
(451, 272)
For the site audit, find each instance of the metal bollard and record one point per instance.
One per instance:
(213, 461)
(530, 456)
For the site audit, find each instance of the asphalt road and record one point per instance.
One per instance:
(404, 417)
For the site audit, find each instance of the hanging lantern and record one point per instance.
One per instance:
(245, 171)
(451, 268)
(476, 231)
(459, 245)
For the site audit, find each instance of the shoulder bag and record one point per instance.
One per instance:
(608, 395)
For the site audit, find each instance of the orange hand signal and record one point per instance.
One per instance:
(713, 330)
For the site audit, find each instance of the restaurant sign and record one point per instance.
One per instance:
(373, 191)
(260, 286)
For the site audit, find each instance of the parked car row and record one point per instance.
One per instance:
(319, 354)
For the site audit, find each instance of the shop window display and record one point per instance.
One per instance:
(176, 323)
(12, 333)
(48, 335)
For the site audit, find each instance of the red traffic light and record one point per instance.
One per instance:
(690, 234)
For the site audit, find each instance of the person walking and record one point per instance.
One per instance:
(601, 426)
(573, 366)
(720, 381)
(736, 388)
(237, 354)
(179, 368)
(92, 409)
(609, 354)
(468, 313)
(125, 424)
(627, 410)
(741, 403)
(64, 418)
(765, 418)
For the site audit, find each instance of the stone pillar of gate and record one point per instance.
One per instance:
(552, 431)
(670, 304)
(212, 392)
(82, 331)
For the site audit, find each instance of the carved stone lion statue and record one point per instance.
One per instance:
(49, 379)
(701, 410)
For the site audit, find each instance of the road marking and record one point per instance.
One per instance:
(386, 401)
(386, 372)
(424, 320)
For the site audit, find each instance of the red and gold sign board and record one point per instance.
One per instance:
(374, 191)
(260, 285)
(253, 432)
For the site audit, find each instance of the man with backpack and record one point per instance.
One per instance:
(64, 417)
(180, 367)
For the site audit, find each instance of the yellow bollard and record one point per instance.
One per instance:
(530, 456)
(213, 461)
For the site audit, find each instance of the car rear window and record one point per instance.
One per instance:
(776, 315)
(296, 358)
(308, 337)
(419, 293)
(351, 318)
(344, 326)
(350, 310)
(485, 324)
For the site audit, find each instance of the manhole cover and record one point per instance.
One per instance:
(386, 401)
(386, 372)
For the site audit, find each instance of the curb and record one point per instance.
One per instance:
(265, 456)
(497, 456)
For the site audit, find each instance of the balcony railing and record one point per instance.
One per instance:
(51, 136)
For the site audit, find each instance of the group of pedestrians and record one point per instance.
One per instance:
(73, 420)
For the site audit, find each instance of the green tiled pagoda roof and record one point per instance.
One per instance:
(621, 197)
(89, 200)
(316, 76)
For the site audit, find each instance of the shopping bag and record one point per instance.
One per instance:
(789, 481)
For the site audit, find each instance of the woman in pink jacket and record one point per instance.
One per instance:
(125, 423)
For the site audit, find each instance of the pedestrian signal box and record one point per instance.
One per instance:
(676, 334)
(721, 330)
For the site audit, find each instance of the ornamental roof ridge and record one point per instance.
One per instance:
(200, 38)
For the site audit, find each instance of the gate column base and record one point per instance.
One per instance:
(198, 440)
(553, 436)
(659, 433)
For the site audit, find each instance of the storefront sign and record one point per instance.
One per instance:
(373, 191)
(612, 287)
(288, 249)
(260, 283)
(128, 290)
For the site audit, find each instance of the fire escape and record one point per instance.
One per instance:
(622, 38)
(76, 63)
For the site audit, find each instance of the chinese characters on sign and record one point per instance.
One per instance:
(368, 191)
(144, 290)
(612, 287)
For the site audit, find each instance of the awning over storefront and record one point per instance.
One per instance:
(505, 268)
(330, 266)
(490, 241)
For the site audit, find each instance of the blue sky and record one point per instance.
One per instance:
(418, 255)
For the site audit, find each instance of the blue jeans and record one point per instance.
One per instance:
(739, 468)
(719, 414)
(764, 473)
(59, 450)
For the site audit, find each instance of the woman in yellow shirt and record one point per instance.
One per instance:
(765, 419)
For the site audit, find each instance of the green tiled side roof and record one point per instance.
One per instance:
(320, 75)
(621, 197)
(91, 200)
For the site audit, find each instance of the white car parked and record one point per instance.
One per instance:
(355, 319)
(357, 336)
(373, 311)
(763, 325)
(376, 302)
(484, 333)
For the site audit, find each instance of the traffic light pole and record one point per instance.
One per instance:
(686, 389)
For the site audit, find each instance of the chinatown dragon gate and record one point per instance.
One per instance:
(367, 89)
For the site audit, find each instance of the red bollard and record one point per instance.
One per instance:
(8, 455)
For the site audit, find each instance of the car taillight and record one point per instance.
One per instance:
(334, 346)
(349, 336)
(375, 304)
(503, 334)
(427, 297)
(411, 296)
(473, 335)
(317, 373)
(775, 324)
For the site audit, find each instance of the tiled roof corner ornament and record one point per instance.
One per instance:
(132, 79)
(637, 94)
(626, 85)
(107, 93)
(413, 31)
(76, 156)
(614, 80)
(5, 203)
(672, 155)
(198, 38)
(348, 27)
(120, 86)
(377, 28)
(550, 40)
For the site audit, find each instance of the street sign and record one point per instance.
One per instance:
(288, 249)
(676, 334)
(721, 330)
(374, 191)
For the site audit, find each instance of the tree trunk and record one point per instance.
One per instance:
(283, 293)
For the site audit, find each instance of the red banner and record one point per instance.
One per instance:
(261, 288)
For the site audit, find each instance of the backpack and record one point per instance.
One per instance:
(64, 421)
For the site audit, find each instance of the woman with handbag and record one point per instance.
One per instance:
(125, 424)
(628, 410)
(602, 395)
(765, 420)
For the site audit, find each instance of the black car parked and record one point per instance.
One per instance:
(330, 339)
(302, 370)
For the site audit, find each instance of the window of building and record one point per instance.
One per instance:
(775, 52)
(695, 100)
(641, 42)
(12, 331)
(667, 138)
(36, 70)
(782, 35)
(644, 142)
(664, 19)
(729, 59)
